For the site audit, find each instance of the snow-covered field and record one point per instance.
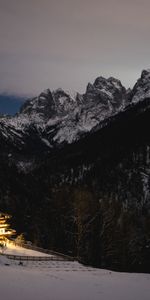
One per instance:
(16, 250)
(68, 281)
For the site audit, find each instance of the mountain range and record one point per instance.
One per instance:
(75, 172)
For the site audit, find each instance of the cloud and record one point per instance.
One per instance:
(47, 43)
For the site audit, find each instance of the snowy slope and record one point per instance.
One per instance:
(65, 281)
(16, 250)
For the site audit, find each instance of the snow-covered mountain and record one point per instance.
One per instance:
(86, 171)
(141, 90)
(56, 118)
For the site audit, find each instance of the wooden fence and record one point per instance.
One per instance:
(32, 258)
(54, 255)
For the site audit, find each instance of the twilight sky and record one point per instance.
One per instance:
(67, 43)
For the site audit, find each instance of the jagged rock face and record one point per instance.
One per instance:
(91, 184)
(57, 118)
(42, 105)
(141, 90)
(109, 93)
(49, 105)
(60, 118)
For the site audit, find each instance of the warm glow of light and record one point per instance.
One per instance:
(5, 229)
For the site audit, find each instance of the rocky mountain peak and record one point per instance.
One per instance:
(64, 101)
(141, 90)
(59, 117)
(145, 74)
(90, 88)
(108, 93)
(49, 104)
(110, 83)
(42, 105)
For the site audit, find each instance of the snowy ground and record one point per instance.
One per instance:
(16, 250)
(68, 281)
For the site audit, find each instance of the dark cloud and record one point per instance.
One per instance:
(52, 43)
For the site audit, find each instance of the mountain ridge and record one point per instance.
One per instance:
(56, 118)
(89, 196)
